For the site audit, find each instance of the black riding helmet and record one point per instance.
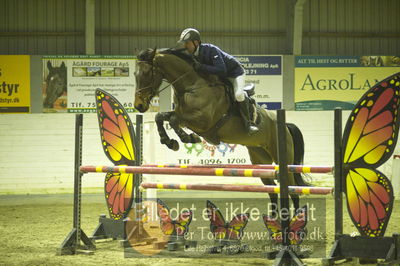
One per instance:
(189, 34)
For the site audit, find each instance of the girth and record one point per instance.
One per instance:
(211, 135)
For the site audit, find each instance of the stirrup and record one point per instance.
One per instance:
(250, 89)
(252, 129)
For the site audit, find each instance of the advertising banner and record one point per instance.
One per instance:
(69, 82)
(190, 153)
(15, 92)
(326, 82)
(266, 74)
(205, 153)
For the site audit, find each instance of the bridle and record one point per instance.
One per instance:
(152, 77)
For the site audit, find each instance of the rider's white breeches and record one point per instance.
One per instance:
(238, 87)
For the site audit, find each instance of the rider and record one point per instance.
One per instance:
(210, 59)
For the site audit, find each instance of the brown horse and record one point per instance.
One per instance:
(203, 106)
(56, 84)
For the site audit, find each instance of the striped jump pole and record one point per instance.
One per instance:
(240, 188)
(260, 173)
(291, 168)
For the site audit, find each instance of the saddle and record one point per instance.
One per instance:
(211, 135)
(249, 89)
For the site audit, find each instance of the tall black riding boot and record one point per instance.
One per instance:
(245, 112)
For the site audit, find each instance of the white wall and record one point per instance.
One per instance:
(37, 151)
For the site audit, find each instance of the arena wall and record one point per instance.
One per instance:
(37, 151)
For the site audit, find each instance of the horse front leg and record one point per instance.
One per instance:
(184, 137)
(164, 138)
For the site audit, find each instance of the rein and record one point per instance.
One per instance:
(170, 84)
(176, 80)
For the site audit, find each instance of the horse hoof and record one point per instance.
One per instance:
(173, 145)
(194, 138)
(164, 141)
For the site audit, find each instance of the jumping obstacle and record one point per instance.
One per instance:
(260, 173)
(291, 168)
(240, 188)
(286, 256)
(345, 246)
(77, 241)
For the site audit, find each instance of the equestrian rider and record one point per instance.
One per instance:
(210, 59)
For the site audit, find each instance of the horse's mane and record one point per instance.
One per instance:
(182, 55)
(146, 55)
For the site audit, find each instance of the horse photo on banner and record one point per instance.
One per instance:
(69, 82)
(54, 88)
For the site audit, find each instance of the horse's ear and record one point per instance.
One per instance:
(62, 65)
(136, 51)
(49, 66)
(153, 54)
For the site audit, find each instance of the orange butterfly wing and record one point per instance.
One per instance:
(297, 226)
(274, 228)
(183, 222)
(218, 225)
(233, 230)
(117, 138)
(369, 140)
(169, 226)
(166, 222)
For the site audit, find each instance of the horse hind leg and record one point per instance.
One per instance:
(259, 155)
(184, 137)
(298, 157)
(292, 177)
(298, 152)
(296, 201)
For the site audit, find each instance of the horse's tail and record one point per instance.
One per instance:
(298, 143)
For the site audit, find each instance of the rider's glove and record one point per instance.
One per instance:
(196, 65)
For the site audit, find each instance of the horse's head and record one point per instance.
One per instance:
(56, 84)
(148, 79)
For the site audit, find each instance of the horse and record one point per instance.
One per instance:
(56, 84)
(203, 106)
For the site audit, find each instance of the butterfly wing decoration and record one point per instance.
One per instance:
(166, 223)
(274, 228)
(222, 230)
(236, 226)
(369, 140)
(182, 223)
(297, 226)
(117, 138)
(178, 227)
(217, 221)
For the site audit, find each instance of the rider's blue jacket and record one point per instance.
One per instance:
(215, 61)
